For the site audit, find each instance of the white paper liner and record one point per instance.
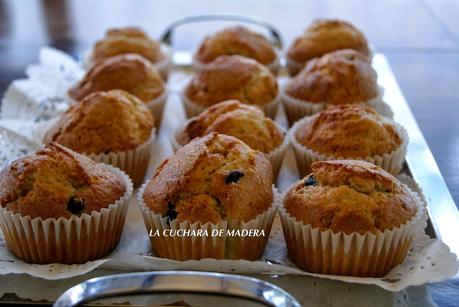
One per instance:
(367, 255)
(192, 109)
(164, 66)
(200, 247)
(297, 108)
(156, 107)
(69, 241)
(391, 162)
(133, 162)
(276, 156)
(274, 66)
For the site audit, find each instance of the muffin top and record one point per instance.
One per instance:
(232, 77)
(349, 131)
(57, 182)
(103, 122)
(210, 179)
(247, 123)
(340, 77)
(350, 196)
(236, 40)
(129, 72)
(126, 40)
(324, 36)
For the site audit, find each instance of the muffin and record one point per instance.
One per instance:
(247, 123)
(321, 37)
(350, 217)
(340, 77)
(349, 132)
(58, 206)
(119, 41)
(129, 72)
(237, 40)
(208, 185)
(113, 127)
(231, 77)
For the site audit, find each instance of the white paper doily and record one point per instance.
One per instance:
(22, 115)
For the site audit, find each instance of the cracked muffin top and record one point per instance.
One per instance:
(103, 122)
(126, 40)
(210, 179)
(340, 77)
(232, 77)
(236, 40)
(350, 196)
(324, 36)
(247, 123)
(349, 131)
(57, 182)
(129, 72)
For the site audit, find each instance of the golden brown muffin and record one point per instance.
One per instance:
(212, 178)
(103, 122)
(232, 77)
(129, 72)
(340, 77)
(349, 131)
(236, 40)
(324, 36)
(350, 196)
(231, 117)
(126, 40)
(57, 182)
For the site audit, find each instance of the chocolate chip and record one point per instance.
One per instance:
(171, 213)
(234, 176)
(75, 205)
(310, 181)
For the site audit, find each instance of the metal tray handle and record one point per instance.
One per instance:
(166, 36)
(177, 282)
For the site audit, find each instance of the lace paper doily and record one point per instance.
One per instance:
(430, 260)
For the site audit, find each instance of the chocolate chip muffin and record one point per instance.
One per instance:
(340, 77)
(321, 37)
(244, 122)
(113, 127)
(231, 77)
(57, 193)
(129, 72)
(211, 180)
(342, 198)
(349, 132)
(237, 40)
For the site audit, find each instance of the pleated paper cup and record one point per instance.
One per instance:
(134, 162)
(391, 162)
(156, 107)
(276, 156)
(274, 66)
(67, 240)
(192, 109)
(367, 255)
(196, 247)
(164, 66)
(297, 108)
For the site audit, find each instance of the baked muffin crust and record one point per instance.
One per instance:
(103, 122)
(324, 36)
(349, 131)
(350, 196)
(127, 40)
(247, 123)
(129, 72)
(232, 77)
(211, 179)
(236, 40)
(57, 182)
(340, 77)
